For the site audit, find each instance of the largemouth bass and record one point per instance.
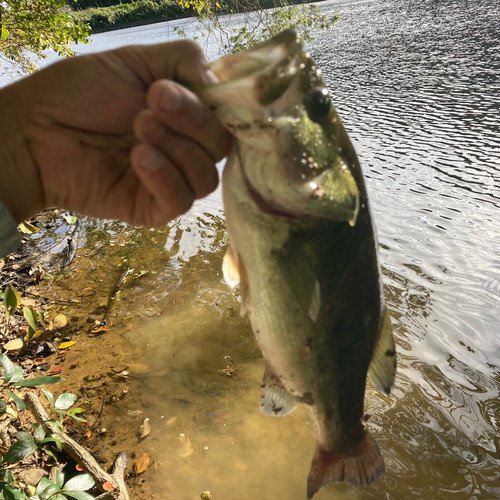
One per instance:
(303, 250)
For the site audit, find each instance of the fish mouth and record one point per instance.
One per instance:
(268, 74)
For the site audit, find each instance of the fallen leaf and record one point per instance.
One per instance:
(28, 302)
(13, 345)
(135, 413)
(65, 345)
(27, 228)
(171, 421)
(60, 321)
(138, 368)
(186, 449)
(144, 429)
(100, 329)
(107, 486)
(79, 467)
(88, 434)
(142, 463)
(86, 292)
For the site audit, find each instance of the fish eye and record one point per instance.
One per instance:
(317, 103)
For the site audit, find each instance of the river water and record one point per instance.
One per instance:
(417, 86)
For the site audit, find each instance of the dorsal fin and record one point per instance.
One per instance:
(275, 401)
(382, 371)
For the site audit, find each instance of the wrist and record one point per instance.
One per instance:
(20, 185)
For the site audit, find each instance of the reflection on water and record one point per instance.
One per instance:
(417, 86)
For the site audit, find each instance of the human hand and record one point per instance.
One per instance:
(111, 135)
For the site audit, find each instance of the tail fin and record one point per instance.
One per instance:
(361, 467)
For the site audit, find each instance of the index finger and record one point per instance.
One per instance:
(182, 60)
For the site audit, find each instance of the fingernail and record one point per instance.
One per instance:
(152, 160)
(171, 98)
(209, 77)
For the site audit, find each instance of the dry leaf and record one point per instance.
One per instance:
(186, 449)
(144, 429)
(79, 467)
(100, 329)
(107, 486)
(65, 345)
(135, 413)
(171, 421)
(138, 369)
(13, 345)
(28, 302)
(86, 292)
(60, 321)
(27, 228)
(142, 463)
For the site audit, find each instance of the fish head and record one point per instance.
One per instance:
(292, 147)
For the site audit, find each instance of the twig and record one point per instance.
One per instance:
(69, 301)
(112, 296)
(82, 456)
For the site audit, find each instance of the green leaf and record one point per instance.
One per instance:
(79, 495)
(17, 375)
(11, 493)
(19, 402)
(33, 382)
(8, 367)
(19, 451)
(6, 476)
(11, 301)
(82, 482)
(39, 432)
(48, 396)
(70, 219)
(23, 436)
(4, 34)
(31, 317)
(65, 401)
(43, 485)
(59, 479)
(3, 407)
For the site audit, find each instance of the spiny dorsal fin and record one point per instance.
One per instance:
(275, 401)
(230, 268)
(382, 371)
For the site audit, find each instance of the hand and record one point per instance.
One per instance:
(111, 135)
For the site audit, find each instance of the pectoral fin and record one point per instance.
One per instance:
(275, 401)
(382, 371)
(230, 268)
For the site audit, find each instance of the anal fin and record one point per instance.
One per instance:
(382, 371)
(361, 467)
(275, 401)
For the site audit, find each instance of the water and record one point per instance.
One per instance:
(417, 86)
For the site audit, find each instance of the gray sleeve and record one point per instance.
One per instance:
(10, 238)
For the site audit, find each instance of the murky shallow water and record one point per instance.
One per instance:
(417, 86)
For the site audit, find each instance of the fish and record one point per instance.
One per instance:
(303, 249)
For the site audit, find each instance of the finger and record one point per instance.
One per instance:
(183, 112)
(180, 60)
(192, 161)
(165, 194)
